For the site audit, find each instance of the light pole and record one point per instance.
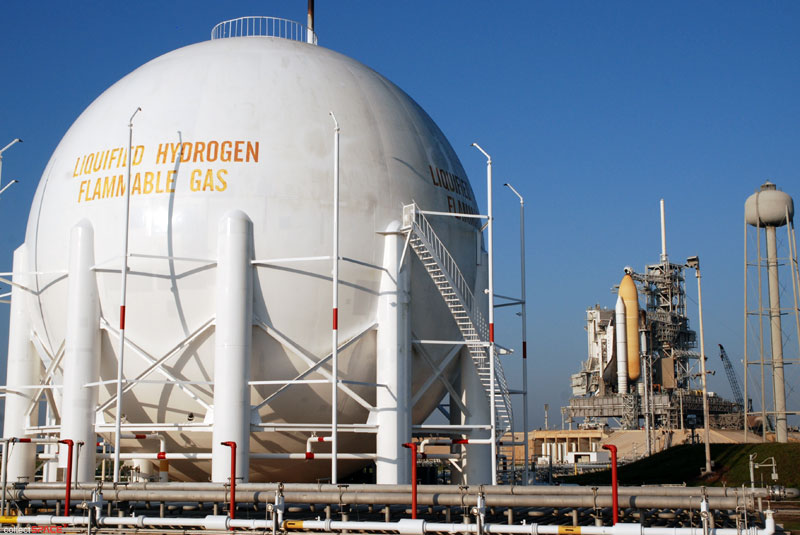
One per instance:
(17, 140)
(694, 262)
(335, 299)
(123, 299)
(492, 400)
(524, 325)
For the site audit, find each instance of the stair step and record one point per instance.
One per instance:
(474, 334)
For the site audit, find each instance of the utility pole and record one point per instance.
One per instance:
(694, 262)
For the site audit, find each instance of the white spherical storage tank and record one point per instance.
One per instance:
(231, 223)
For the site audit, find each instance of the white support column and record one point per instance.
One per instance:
(477, 465)
(23, 370)
(233, 339)
(478, 462)
(81, 354)
(393, 364)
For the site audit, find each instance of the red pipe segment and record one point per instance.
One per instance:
(70, 444)
(413, 447)
(614, 481)
(232, 506)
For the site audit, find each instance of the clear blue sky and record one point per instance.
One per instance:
(593, 110)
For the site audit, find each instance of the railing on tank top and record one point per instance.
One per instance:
(262, 27)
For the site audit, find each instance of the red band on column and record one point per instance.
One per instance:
(122, 317)
(524, 350)
(335, 319)
(491, 332)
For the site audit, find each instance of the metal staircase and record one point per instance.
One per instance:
(458, 296)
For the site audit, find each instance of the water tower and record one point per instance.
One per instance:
(767, 266)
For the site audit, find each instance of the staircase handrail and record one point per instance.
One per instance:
(414, 218)
(445, 260)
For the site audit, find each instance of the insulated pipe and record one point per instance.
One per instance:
(309, 451)
(622, 348)
(232, 506)
(22, 369)
(614, 482)
(725, 492)
(335, 298)
(123, 299)
(233, 338)
(431, 442)
(392, 363)
(391, 498)
(413, 447)
(70, 444)
(206, 456)
(81, 351)
(161, 455)
(418, 527)
(404, 526)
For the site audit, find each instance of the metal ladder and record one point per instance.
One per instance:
(458, 296)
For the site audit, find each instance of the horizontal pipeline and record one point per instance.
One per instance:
(405, 526)
(207, 456)
(392, 498)
(419, 527)
(771, 493)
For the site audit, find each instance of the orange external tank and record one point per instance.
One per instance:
(629, 295)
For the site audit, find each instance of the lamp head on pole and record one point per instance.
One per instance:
(693, 262)
(509, 186)
(16, 140)
(488, 158)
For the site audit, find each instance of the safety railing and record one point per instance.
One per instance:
(415, 220)
(445, 260)
(263, 27)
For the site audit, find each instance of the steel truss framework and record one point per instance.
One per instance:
(757, 314)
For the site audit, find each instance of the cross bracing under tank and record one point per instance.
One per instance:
(314, 365)
(49, 376)
(157, 364)
(438, 371)
(437, 375)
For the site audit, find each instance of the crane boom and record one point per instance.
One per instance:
(735, 389)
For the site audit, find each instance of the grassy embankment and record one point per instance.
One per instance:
(682, 465)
